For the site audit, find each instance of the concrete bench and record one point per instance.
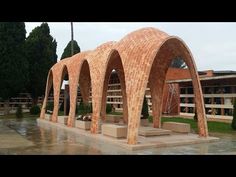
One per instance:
(177, 127)
(62, 120)
(83, 124)
(150, 131)
(117, 131)
(113, 118)
(48, 117)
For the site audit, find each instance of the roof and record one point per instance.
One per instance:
(224, 72)
(204, 78)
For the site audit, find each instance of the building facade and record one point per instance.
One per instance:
(218, 87)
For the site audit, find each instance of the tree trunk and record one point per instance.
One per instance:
(6, 107)
(34, 101)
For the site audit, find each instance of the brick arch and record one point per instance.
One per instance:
(74, 65)
(49, 85)
(171, 48)
(81, 76)
(59, 73)
(138, 52)
(97, 61)
(114, 62)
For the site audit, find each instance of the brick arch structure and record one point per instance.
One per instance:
(75, 67)
(59, 74)
(141, 53)
(171, 48)
(47, 92)
(97, 61)
(114, 62)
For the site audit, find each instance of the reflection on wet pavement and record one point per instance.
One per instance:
(52, 140)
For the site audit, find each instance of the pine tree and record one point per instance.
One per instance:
(41, 55)
(13, 64)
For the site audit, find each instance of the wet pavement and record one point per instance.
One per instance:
(26, 137)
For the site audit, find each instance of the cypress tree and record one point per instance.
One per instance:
(13, 64)
(145, 112)
(41, 55)
(67, 50)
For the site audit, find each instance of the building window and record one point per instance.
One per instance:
(182, 90)
(190, 90)
(207, 100)
(208, 90)
(190, 110)
(182, 100)
(228, 112)
(182, 109)
(190, 100)
(217, 100)
(227, 89)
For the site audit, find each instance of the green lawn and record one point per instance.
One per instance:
(220, 127)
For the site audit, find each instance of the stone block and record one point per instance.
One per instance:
(113, 118)
(117, 131)
(62, 120)
(150, 131)
(177, 127)
(86, 125)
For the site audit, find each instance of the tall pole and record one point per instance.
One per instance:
(72, 39)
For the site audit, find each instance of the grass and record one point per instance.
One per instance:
(213, 127)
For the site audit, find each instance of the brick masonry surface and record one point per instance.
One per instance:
(140, 57)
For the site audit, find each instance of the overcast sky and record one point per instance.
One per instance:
(213, 45)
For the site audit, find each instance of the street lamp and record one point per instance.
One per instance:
(72, 39)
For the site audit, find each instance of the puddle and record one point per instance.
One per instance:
(52, 140)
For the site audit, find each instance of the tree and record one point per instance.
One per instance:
(178, 63)
(195, 116)
(67, 50)
(145, 112)
(233, 125)
(19, 113)
(41, 56)
(13, 64)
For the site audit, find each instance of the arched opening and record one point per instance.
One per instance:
(114, 100)
(83, 111)
(47, 106)
(170, 49)
(60, 74)
(64, 99)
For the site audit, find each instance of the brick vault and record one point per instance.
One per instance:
(140, 57)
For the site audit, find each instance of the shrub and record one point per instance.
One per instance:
(19, 113)
(195, 116)
(90, 110)
(145, 112)
(233, 125)
(83, 108)
(35, 110)
(108, 108)
(49, 106)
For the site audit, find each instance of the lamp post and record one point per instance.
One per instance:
(72, 39)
